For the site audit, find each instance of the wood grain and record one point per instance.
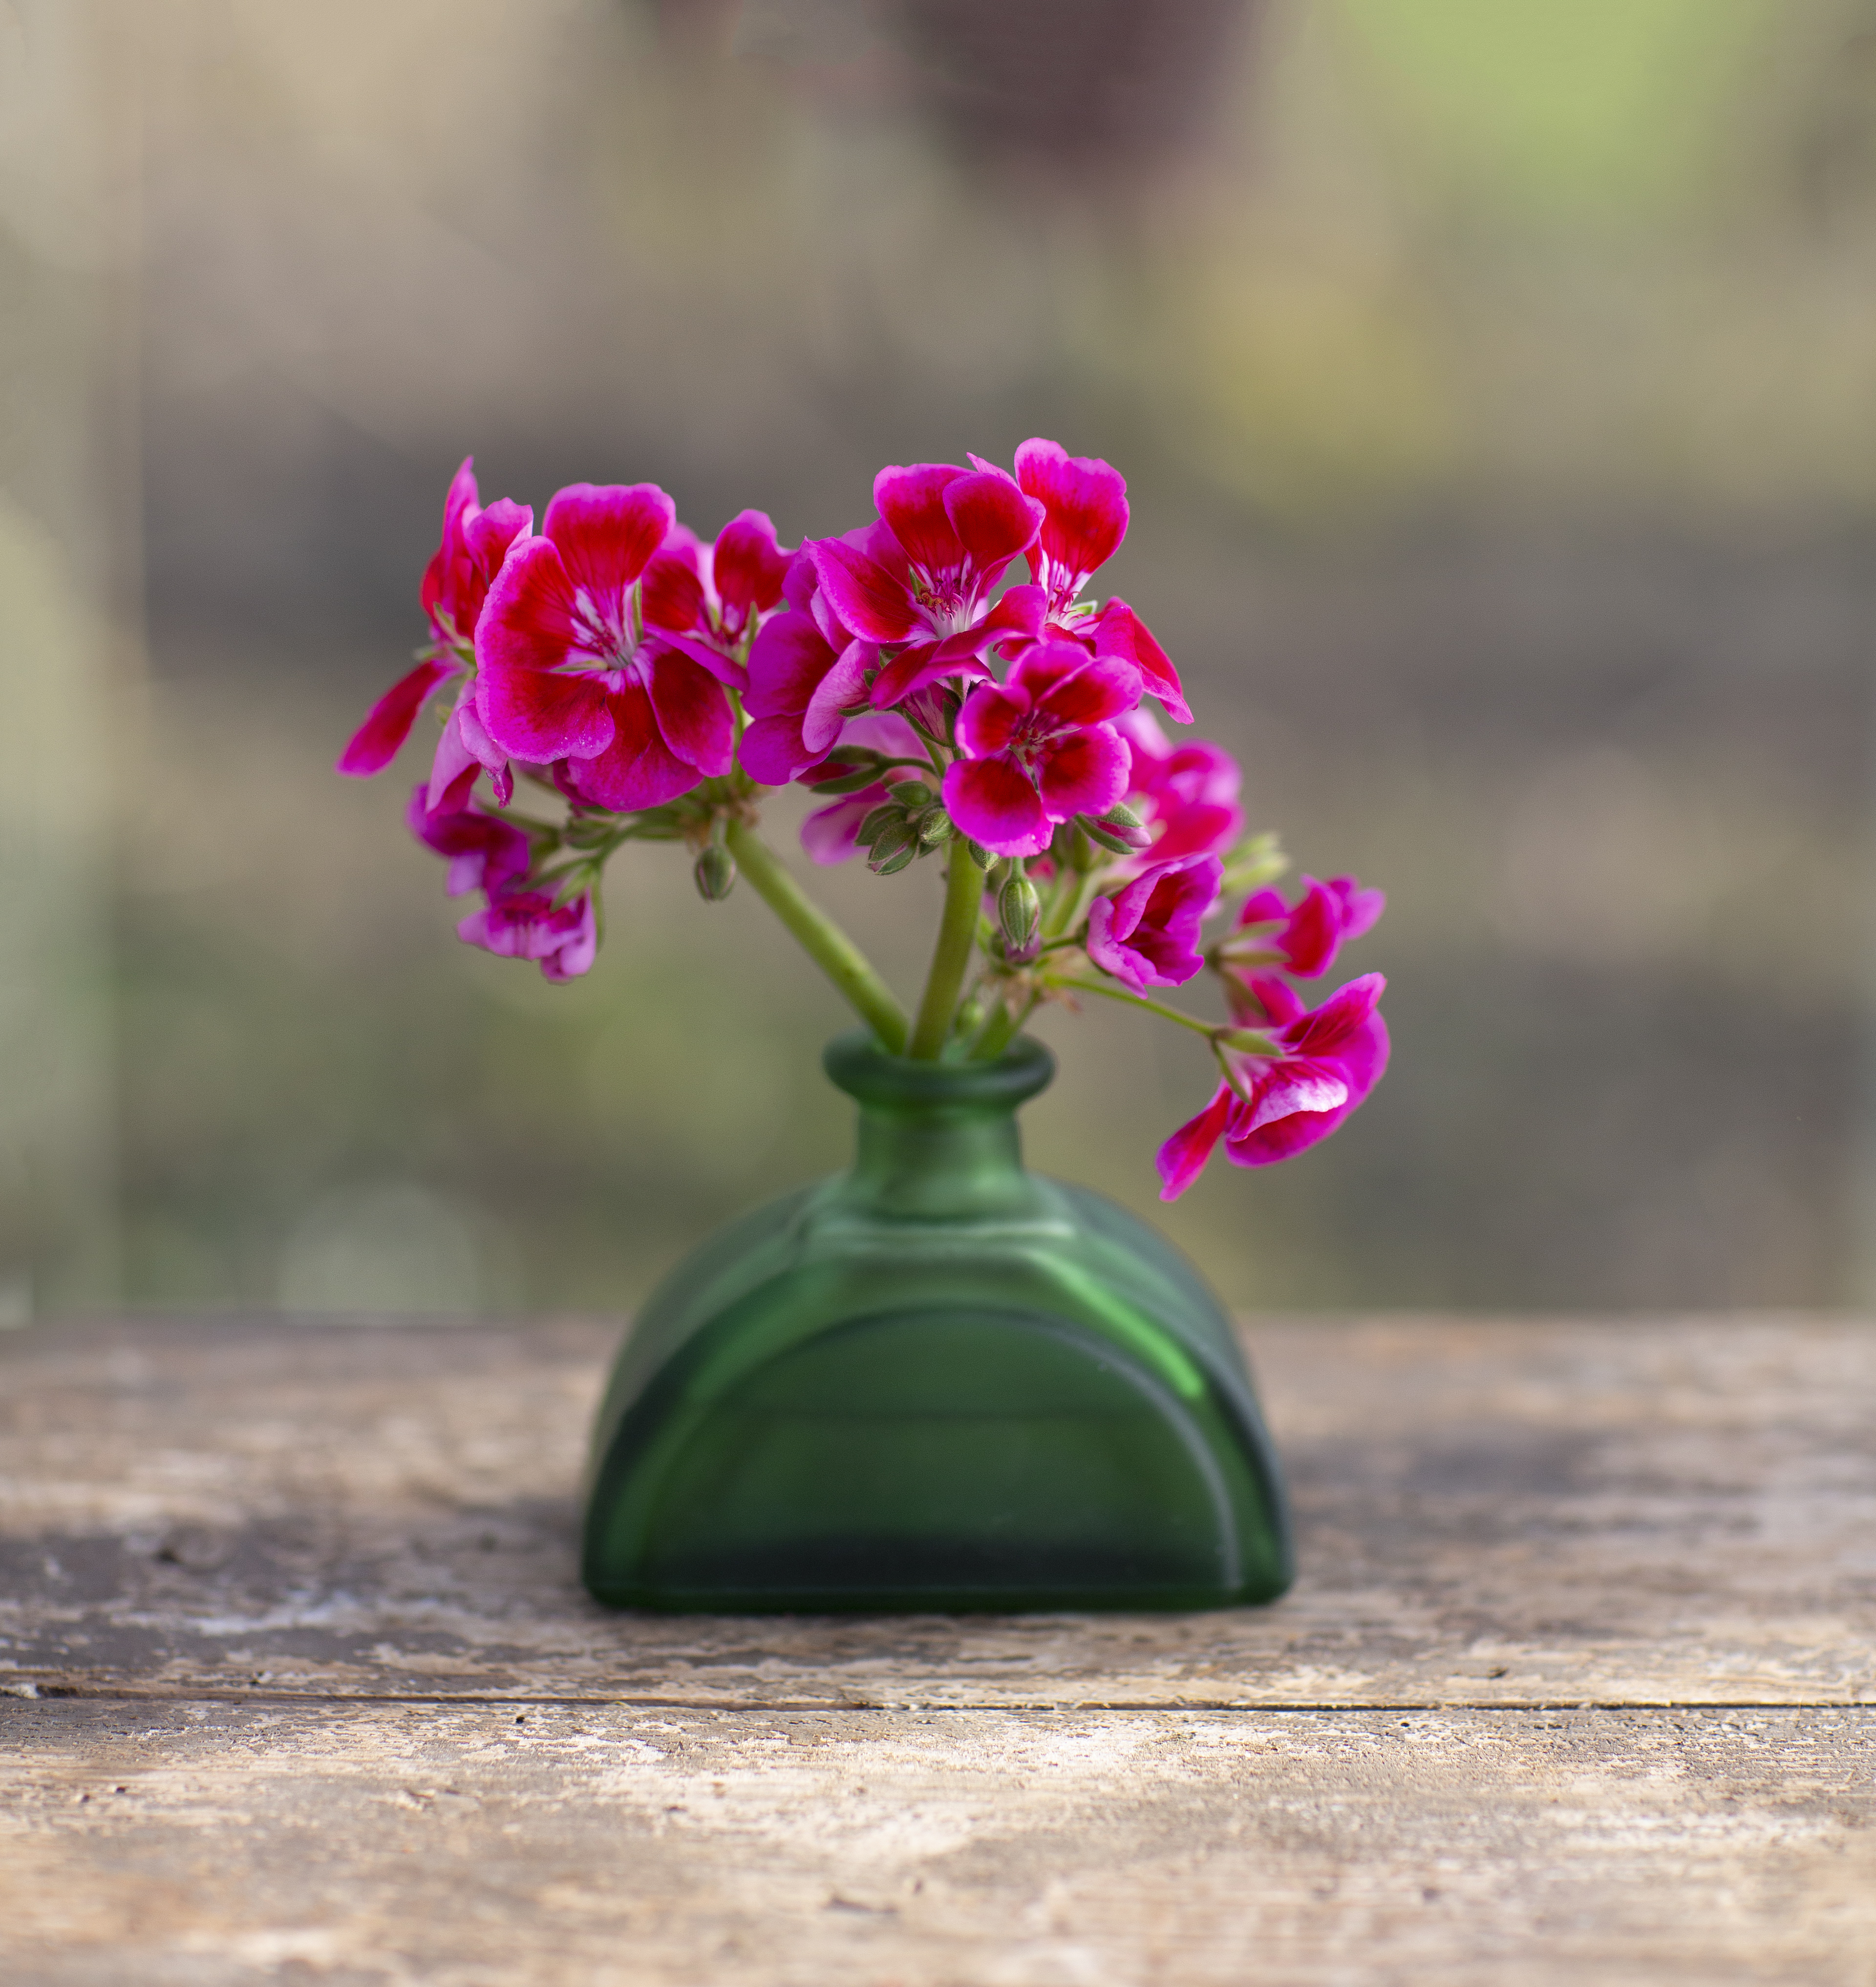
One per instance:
(1578, 1685)
(1488, 1513)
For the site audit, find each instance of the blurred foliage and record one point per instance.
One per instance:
(1495, 385)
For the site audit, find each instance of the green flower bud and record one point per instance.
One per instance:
(715, 873)
(1019, 911)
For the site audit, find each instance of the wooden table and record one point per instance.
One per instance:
(1578, 1684)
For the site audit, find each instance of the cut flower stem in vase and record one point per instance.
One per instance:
(935, 1380)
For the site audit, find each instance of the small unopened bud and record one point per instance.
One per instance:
(875, 824)
(1120, 830)
(934, 826)
(715, 873)
(979, 855)
(895, 834)
(892, 865)
(1019, 911)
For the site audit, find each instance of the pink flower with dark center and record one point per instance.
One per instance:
(484, 854)
(920, 580)
(1330, 1058)
(716, 594)
(1187, 794)
(524, 924)
(456, 583)
(1147, 933)
(1040, 747)
(568, 670)
(1310, 932)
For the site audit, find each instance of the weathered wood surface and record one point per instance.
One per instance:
(1578, 1683)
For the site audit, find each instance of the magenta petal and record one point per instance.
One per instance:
(1181, 1159)
(910, 671)
(1323, 1029)
(994, 520)
(830, 833)
(694, 715)
(531, 618)
(459, 502)
(1361, 909)
(843, 685)
(1311, 939)
(387, 724)
(1106, 949)
(1085, 772)
(673, 594)
(1085, 505)
(911, 504)
(1287, 1087)
(541, 715)
(868, 600)
(1076, 688)
(747, 564)
(1118, 630)
(994, 802)
(453, 758)
(638, 769)
(989, 719)
(771, 751)
(787, 662)
(1361, 1063)
(607, 532)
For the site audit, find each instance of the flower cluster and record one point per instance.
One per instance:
(938, 699)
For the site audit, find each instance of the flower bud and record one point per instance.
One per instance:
(895, 834)
(1120, 829)
(875, 824)
(715, 873)
(1019, 911)
(934, 827)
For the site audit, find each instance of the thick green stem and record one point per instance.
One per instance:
(957, 933)
(823, 940)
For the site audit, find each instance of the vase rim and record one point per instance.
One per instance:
(857, 1064)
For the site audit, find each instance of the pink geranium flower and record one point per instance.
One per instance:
(1310, 932)
(1040, 747)
(1147, 933)
(1084, 519)
(1329, 1058)
(569, 672)
(715, 594)
(1187, 794)
(484, 854)
(524, 924)
(456, 584)
(806, 667)
(921, 579)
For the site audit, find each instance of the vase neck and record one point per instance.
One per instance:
(938, 1140)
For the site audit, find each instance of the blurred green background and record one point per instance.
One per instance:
(1496, 385)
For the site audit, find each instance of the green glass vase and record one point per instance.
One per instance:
(934, 1382)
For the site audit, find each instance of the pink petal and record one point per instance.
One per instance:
(748, 565)
(771, 751)
(387, 724)
(694, 715)
(868, 600)
(1323, 1030)
(1076, 688)
(1118, 630)
(992, 518)
(1084, 773)
(1106, 932)
(1085, 503)
(912, 669)
(607, 532)
(993, 801)
(911, 503)
(1312, 937)
(1287, 1087)
(786, 664)
(674, 585)
(829, 833)
(531, 618)
(459, 502)
(1181, 1159)
(843, 685)
(453, 759)
(1361, 909)
(638, 769)
(990, 717)
(540, 715)
(1361, 1063)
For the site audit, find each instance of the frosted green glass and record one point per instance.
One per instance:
(936, 1382)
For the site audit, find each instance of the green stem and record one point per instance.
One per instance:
(1001, 1030)
(957, 933)
(1208, 1029)
(818, 935)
